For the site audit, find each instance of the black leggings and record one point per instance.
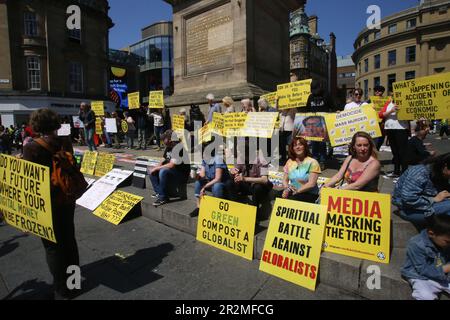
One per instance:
(398, 140)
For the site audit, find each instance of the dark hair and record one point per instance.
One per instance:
(321, 119)
(44, 121)
(421, 125)
(379, 88)
(304, 143)
(437, 165)
(362, 134)
(358, 90)
(439, 224)
(167, 135)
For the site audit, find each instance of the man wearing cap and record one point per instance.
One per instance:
(213, 107)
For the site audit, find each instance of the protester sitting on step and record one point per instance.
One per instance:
(416, 151)
(300, 173)
(172, 173)
(361, 170)
(423, 191)
(250, 176)
(427, 265)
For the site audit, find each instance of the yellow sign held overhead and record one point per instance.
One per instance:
(227, 225)
(294, 242)
(156, 100)
(423, 98)
(89, 162)
(98, 107)
(25, 201)
(117, 206)
(358, 224)
(271, 98)
(293, 94)
(134, 100)
(105, 163)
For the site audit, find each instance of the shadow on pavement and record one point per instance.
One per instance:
(31, 290)
(10, 245)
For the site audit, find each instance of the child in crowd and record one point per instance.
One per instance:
(427, 265)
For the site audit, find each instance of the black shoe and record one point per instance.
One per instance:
(194, 213)
(160, 202)
(155, 196)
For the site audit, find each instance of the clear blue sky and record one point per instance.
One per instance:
(346, 18)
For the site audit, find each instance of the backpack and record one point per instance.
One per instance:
(65, 175)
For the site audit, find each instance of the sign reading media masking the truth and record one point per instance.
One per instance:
(25, 196)
(89, 162)
(117, 206)
(343, 126)
(293, 94)
(427, 97)
(358, 224)
(227, 225)
(105, 163)
(294, 242)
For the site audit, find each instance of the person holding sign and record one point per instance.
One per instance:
(228, 105)
(423, 191)
(379, 91)
(64, 253)
(264, 106)
(357, 100)
(158, 126)
(213, 107)
(246, 105)
(301, 173)
(88, 117)
(361, 170)
(131, 130)
(416, 150)
(427, 265)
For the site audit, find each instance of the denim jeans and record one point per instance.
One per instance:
(142, 138)
(166, 181)
(107, 137)
(219, 189)
(158, 132)
(130, 138)
(89, 137)
(418, 218)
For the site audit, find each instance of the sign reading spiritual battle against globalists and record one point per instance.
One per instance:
(343, 126)
(294, 242)
(134, 100)
(227, 225)
(178, 123)
(293, 94)
(98, 107)
(423, 98)
(25, 201)
(156, 100)
(216, 125)
(89, 162)
(105, 163)
(117, 206)
(310, 126)
(259, 125)
(271, 98)
(233, 123)
(358, 224)
(98, 126)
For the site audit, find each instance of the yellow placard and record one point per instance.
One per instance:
(134, 100)
(311, 126)
(89, 162)
(293, 94)
(423, 98)
(204, 134)
(178, 122)
(124, 126)
(271, 98)
(233, 123)
(156, 100)
(358, 224)
(98, 107)
(227, 225)
(105, 163)
(25, 201)
(217, 124)
(379, 102)
(98, 126)
(343, 126)
(259, 124)
(294, 242)
(117, 206)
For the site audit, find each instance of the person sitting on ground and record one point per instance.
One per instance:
(423, 191)
(251, 177)
(361, 169)
(427, 265)
(214, 176)
(300, 173)
(171, 173)
(416, 151)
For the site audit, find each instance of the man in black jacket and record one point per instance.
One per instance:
(88, 117)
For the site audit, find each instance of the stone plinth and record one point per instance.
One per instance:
(238, 48)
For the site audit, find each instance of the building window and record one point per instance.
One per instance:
(392, 58)
(31, 27)
(75, 77)
(34, 73)
(392, 28)
(391, 79)
(359, 68)
(376, 81)
(366, 39)
(439, 70)
(366, 65)
(377, 35)
(366, 88)
(411, 23)
(410, 75)
(377, 61)
(411, 54)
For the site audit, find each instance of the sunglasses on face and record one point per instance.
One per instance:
(357, 95)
